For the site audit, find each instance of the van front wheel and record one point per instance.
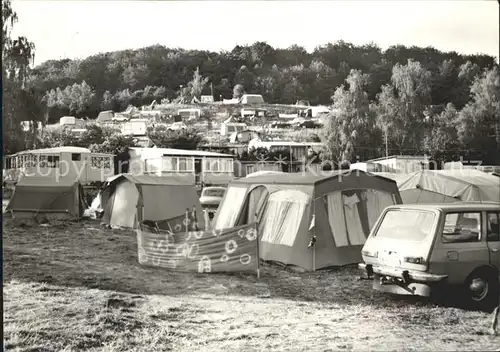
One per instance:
(482, 289)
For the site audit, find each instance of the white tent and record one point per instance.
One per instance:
(128, 199)
(442, 186)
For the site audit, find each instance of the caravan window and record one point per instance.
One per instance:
(227, 165)
(185, 164)
(215, 165)
(8, 163)
(182, 164)
(76, 157)
(168, 164)
(53, 161)
(43, 161)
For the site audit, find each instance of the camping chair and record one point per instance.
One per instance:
(151, 226)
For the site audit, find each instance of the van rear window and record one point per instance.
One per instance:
(411, 225)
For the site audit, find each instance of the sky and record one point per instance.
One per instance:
(77, 29)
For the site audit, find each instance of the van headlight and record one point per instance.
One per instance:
(370, 254)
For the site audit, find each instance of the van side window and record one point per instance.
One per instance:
(493, 233)
(462, 227)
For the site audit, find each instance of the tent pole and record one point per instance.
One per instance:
(257, 246)
(314, 235)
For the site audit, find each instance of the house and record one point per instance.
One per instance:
(253, 112)
(315, 111)
(403, 163)
(230, 101)
(302, 103)
(233, 149)
(72, 163)
(207, 99)
(189, 114)
(243, 136)
(252, 99)
(28, 125)
(370, 167)
(73, 124)
(105, 116)
(229, 126)
(199, 166)
(135, 127)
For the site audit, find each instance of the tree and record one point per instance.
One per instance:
(178, 139)
(244, 77)
(401, 105)
(348, 128)
(108, 101)
(479, 121)
(115, 143)
(238, 91)
(197, 84)
(441, 140)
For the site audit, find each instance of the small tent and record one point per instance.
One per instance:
(55, 199)
(444, 186)
(127, 199)
(307, 220)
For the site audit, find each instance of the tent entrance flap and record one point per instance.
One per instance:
(281, 224)
(254, 206)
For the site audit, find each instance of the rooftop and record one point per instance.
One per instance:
(451, 206)
(407, 157)
(289, 143)
(171, 151)
(305, 178)
(56, 150)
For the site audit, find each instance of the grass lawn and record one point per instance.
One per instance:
(76, 287)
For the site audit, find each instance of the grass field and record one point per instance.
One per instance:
(76, 287)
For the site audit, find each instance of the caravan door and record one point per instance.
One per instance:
(78, 166)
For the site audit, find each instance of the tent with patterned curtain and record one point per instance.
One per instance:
(308, 220)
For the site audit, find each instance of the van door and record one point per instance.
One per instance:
(493, 237)
(464, 244)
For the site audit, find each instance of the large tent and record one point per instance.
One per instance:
(444, 186)
(127, 199)
(308, 220)
(55, 199)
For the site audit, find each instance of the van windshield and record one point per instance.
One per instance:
(411, 225)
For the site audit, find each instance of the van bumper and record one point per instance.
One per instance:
(399, 281)
(415, 276)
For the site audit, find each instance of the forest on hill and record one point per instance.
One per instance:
(419, 100)
(115, 79)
